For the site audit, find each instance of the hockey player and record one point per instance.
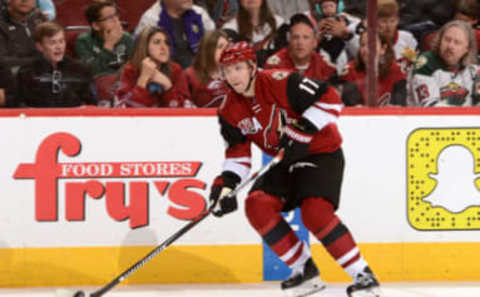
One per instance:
(277, 109)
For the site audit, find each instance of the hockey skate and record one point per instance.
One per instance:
(305, 283)
(365, 285)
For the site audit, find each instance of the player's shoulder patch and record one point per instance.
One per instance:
(273, 60)
(279, 75)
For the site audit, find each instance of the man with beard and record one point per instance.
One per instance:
(17, 23)
(185, 24)
(53, 80)
(448, 75)
(388, 19)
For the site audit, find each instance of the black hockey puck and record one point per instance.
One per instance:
(79, 294)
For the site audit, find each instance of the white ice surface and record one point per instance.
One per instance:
(268, 289)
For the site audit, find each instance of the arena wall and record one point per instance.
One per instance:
(87, 192)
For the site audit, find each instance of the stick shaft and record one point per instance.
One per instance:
(183, 230)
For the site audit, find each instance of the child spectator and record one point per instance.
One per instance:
(17, 23)
(448, 75)
(184, 23)
(106, 47)
(337, 38)
(300, 55)
(391, 79)
(256, 24)
(206, 85)
(151, 78)
(54, 80)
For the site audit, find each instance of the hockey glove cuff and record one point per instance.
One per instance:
(296, 140)
(221, 187)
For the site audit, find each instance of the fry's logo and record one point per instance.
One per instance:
(46, 171)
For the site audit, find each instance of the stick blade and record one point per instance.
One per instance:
(68, 293)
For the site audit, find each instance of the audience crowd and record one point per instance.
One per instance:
(426, 52)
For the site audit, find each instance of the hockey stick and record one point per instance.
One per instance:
(171, 239)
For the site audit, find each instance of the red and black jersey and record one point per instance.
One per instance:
(208, 95)
(280, 97)
(318, 67)
(390, 90)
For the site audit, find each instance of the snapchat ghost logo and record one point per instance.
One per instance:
(454, 164)
(443, 179)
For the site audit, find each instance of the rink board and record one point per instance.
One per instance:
(86, 193)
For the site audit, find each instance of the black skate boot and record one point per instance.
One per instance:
(365, 285)
(303, 284)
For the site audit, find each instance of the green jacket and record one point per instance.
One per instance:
(89, 48)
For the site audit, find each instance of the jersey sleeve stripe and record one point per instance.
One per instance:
(319, 117)
(239, 166)
(327, 106)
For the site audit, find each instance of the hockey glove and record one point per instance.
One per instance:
(222, 185)
(296, 140)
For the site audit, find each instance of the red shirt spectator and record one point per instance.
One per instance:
(150, 78)
(203, 76)
(300, 55)
(210, 94)
(317, 67)
(132, 95)
(387, 86)
(391, 82)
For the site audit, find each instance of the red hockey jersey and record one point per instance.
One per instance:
(280, 97)
(209, 95)
(318, 67)
(391, 89)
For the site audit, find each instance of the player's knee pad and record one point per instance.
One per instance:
(317, 213)
(263, 211)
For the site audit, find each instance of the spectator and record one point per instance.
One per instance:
(465, 10)
(16, 24)
(151, 78)
(421, 17)
(106, 47)
(256, 24)
(206, 85)
(54, 80)
(184, 23)
(7, 87)
(287, 8)
(47, 7)
(220, 10)
(391, 79)
(337, 38)
(300, 55)
(447, 75)
(3, 5)
(318, 10)
(388, 19)
(468, 11)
